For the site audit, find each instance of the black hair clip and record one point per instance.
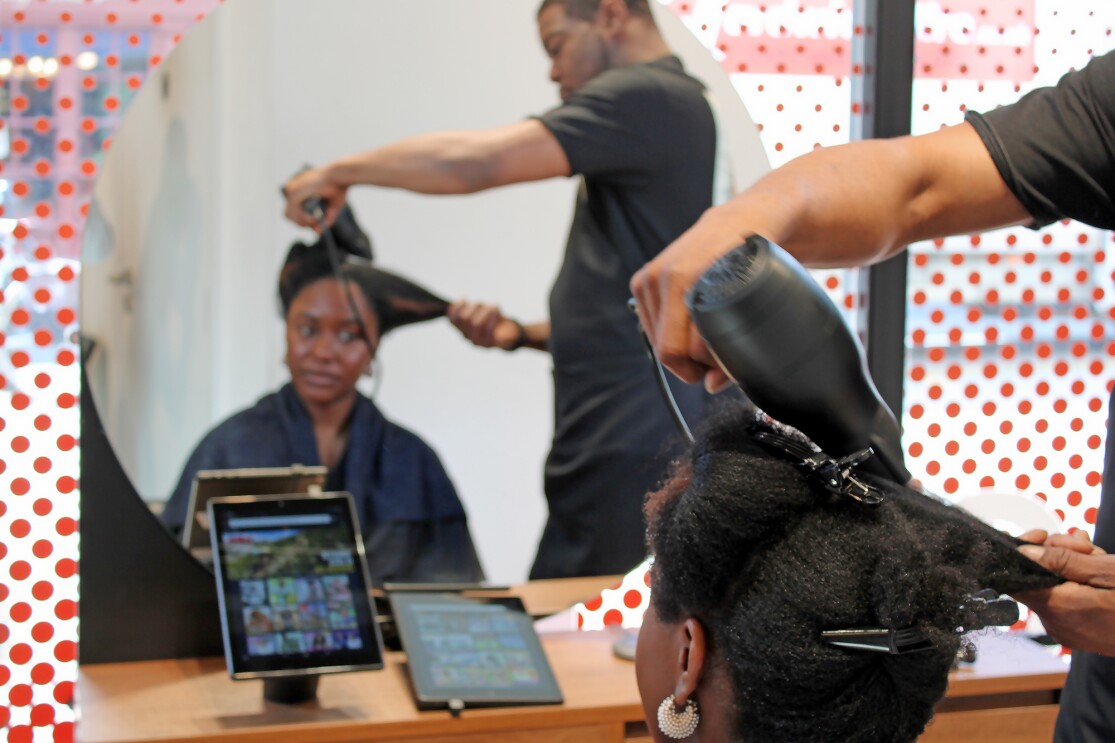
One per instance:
(987, 608)
(837, 475)
(879, 640)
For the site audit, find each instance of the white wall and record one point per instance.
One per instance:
(425, 67)
(144, 300)
(191, 185)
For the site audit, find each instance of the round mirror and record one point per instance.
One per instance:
(185, 234)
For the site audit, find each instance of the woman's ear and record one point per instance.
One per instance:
(692, 648)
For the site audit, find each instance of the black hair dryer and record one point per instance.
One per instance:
(782, 340)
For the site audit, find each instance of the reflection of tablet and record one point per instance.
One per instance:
(254, 481)
(293, 586)
(472, 651)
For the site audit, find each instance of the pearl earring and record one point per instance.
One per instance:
(674, 724)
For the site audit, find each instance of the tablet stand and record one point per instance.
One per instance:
(290, 689)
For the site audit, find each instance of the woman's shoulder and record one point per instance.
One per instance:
(400, 434)
(399, 437)
(259, 419)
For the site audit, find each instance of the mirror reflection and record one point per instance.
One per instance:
(186, 243)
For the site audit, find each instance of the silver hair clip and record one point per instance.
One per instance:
(988, 609)
(879, 640)
(837, 475)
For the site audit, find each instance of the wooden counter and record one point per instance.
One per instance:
(1009, 694)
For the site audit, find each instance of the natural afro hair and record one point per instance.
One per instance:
(757, 549)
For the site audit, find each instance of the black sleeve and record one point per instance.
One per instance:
(1055, 148)
(607, 127)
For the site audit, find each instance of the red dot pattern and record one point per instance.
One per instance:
(793, 69)
(69, 90)
(622, 605)
(1008, 356)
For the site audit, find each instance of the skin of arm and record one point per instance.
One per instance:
(459, 162)
(487, 327)
(849, 205)
(536, 335)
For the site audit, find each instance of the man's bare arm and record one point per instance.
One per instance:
(439, 163)
(848, 205)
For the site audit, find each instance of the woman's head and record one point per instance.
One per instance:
(328, 347)
(334, 325)
(755, 558)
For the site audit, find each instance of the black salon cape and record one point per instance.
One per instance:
(414, 525)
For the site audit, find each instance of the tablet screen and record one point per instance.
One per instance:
(293, 585)
(480, 651)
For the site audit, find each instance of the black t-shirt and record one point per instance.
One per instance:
(1055, 149)
(644, 138)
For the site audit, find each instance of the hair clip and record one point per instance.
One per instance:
(879, 640)
(988, 609)
(835, 474)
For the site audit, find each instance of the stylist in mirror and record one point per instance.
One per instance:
(413, 523)
(642, 134)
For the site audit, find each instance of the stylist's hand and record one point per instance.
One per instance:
(1078, 541)
(315, 182)
(1079, 613)
(660, 289)
(485, 325)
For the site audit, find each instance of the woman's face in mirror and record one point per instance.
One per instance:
(326, 348)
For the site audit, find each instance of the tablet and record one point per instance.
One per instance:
(293, 586)
(471, 652)
(244, 481)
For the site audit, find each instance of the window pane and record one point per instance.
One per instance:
(1007, 358)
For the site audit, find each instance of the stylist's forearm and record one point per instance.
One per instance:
(441, 163)
(841, 206)
(860, 203)
(829, 206)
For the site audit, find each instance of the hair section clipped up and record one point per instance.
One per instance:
(838, 606)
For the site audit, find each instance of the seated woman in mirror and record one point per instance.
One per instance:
(414, 525)
(791, 610)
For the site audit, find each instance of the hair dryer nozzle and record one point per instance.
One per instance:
(782, 340)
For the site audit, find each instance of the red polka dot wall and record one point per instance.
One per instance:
(67, 74)
(1009, 335)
